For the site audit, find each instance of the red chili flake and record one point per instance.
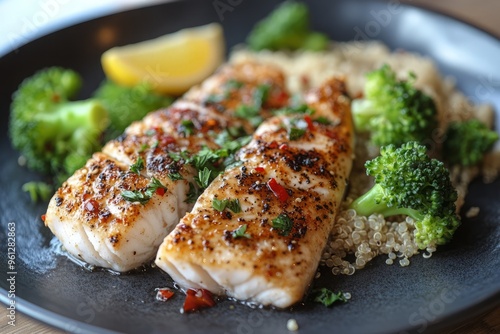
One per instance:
(259, 169)
(273, 144)
(277, 99)
(309, 122)
(43, 218)
(278, 190)
(332, 135)
(198, 299)
(91, 206)
(166, 139)
(283, 147)
(164, 294)
(160, 191)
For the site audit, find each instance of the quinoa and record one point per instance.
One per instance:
(357, 238)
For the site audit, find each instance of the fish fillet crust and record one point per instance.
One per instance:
(91, 215)
(273, 261)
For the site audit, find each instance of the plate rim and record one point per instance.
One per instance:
(450, 321)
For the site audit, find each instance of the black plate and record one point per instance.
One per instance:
(458, 283)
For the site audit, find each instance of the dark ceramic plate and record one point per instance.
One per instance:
(458, 283)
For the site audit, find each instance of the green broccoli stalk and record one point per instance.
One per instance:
(408, 182)
(287, 27)
(392, 111)
(467, 142)
(55, 135)
(127, 104)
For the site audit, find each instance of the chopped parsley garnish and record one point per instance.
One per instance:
(143, 196)
(193, 193)
(252, 112)
(175, 176)
(328, 297)
(184, 155)
(229, 86)
(229, 134)
(261, 94)
(249, 112)
(150, 132)
(240, 232)
(203, 178)
(210, 163)
(137, 166)
(221, 204)
(136, 196)
(38, 191)
(214, 98)
(295, 133)
(233, 84)
(297, 109)
(143, 148)
(323, 120)
(283, 224)
(187, 127)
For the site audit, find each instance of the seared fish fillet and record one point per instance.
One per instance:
(289, 189)
(116, 211)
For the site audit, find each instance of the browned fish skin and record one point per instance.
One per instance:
(269, 265)
(88, 213)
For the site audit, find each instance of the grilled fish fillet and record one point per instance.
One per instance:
(115, 211)
(289, 187)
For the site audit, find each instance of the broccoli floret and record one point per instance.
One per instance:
(55, 136)
(38, 191)
(392, 111)
(287, 27)
(127, 104)
(408, 182)
(467, 142)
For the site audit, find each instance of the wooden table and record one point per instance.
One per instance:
(483, 14)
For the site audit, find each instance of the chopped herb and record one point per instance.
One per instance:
(298, 109)
(214, 98)
(184, 155)
(143, 196)
(228, 135)
(233, 84)
(38, 191)
(137, 166)
(187, 127)
(249, 112)
(154, 185)
(221, 204)
(136, 196)
(150, 132)
(175, 176)
(260, 95)
(143, 148)
(234, 205)
(328, 297)
(203, 178)
(296, 133)
(283, 224)
(155, 144)
(252, 112)
(323, 120)
(240, 232)
(193, 193)
(205, 158)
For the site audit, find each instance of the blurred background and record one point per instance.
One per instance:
(24, 20)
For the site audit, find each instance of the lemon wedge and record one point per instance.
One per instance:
(172, 63)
